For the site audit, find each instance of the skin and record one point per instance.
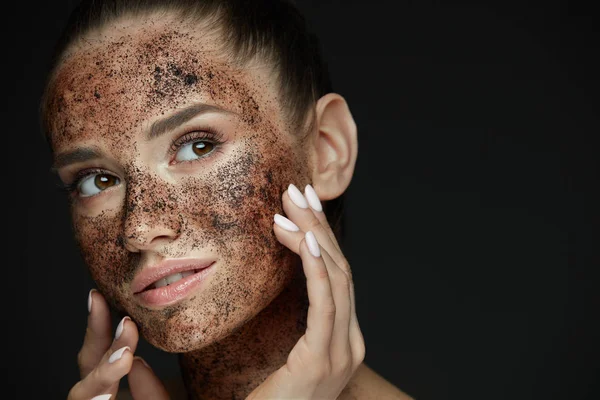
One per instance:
(252, 309)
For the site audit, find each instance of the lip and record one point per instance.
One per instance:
(174, 292)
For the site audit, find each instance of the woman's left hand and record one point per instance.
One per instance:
(327, 355)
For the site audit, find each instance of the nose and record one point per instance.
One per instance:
(150, 220)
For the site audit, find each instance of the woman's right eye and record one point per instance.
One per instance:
(95, 183)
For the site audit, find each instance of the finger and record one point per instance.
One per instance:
(144, 384)
(340, 349)
(302, 213)
(357, 341)
(321, 308)
(126, 334)
(303, 210)
(293, 201)
(105, 377)
(98, 335)
(357, 345)
(315, 205)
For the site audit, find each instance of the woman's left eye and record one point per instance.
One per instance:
(194, 150)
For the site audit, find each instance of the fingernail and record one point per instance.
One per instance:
(312, 198)
(297, 196)
(142, 360)
(117, 354)
(119, 330)
(285, 223)
(313, 245)
(90, 301)
(102, 397)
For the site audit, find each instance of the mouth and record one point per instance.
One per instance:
(170, 282)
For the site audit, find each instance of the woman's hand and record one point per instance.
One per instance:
(103, 361)
(327, 355)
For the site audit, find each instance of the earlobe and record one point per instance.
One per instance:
(335, 147)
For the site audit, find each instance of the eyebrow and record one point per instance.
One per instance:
(75, 156)
(157, 129)
(182, 116)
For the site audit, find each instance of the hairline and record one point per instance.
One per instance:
(214, 28)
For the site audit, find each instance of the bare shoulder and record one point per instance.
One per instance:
(174, 387)
(367, 384)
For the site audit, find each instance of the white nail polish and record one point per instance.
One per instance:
(117, 354)
(312, 198)
(297, 196)
(102, 397)
(90, 301)
(119, 330)
(313, 245)
(285, 223)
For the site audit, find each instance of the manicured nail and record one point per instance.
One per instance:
(297, 196)
(312, 198)
(285, 223)
(142, 361)
(313, 245)
(102, 397)
(117, 354)
(119, 330)
(90, 301)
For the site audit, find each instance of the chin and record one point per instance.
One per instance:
(198, 323)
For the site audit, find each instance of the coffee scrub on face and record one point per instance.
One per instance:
(177, 128)
(105, 96)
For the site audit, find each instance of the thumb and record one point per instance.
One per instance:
(143, 383)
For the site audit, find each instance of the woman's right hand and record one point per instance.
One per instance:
(103, 361)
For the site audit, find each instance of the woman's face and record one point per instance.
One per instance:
(148, 190)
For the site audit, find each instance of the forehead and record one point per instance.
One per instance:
(125, 76)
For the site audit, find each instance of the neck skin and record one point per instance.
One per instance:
(236, 365)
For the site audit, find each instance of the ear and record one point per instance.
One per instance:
(334, 147)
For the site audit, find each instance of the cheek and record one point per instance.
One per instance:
(231, 211)
(230, 215)
(109, 263)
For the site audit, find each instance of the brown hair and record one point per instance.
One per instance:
(274, 30)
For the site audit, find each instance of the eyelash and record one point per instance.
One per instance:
(81, 175)
(212, 135)
(208, 134)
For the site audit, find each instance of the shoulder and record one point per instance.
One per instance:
(174, 387)
(367, 384)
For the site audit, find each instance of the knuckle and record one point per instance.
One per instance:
(343, 279)
(322, 371)
(359, 352)
(329, 310)
(83, 362)
(345, 266)
(100, 378)
(340, 280)
(322, 272)
(314, 224)
(344, 366)
(80, 358)
(74, 393)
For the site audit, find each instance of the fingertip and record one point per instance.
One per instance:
(102, 397)
(285, 223)
(312, 244)
(120, 354)
(90, 300)
(142, 361)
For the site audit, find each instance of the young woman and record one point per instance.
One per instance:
(184, 131)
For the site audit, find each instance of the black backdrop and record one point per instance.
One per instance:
(472, 217)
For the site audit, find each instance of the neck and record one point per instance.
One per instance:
(236, 365)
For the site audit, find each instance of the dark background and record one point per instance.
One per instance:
(472, 216)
